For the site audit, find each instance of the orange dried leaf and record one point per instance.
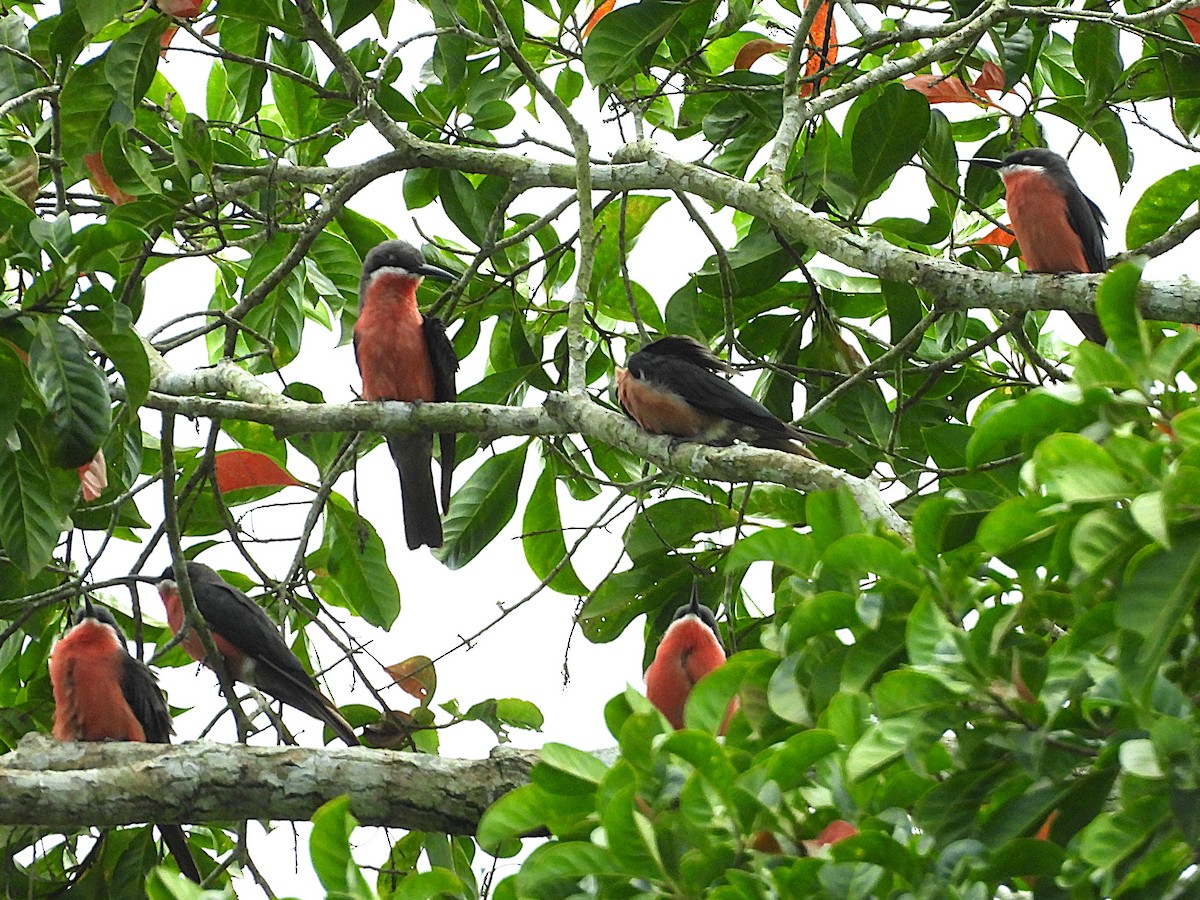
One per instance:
(1191, 21)
(601, 10)
(237, 469)
(164, 42)
(101, 181)
(93, 477)
(392, 732)
(991, 78)
(416, 676)
(837, 830)
(822, 47)
(997, 237)
(943, 89)
(1043, 833)
(754, 50)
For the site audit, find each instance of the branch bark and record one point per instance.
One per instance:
(63, 785)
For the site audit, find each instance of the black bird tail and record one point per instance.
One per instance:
(306, 698)
(413, 455)
(1091, 327)
(176, 842)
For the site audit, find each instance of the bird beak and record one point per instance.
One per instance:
(143, 579)
(983, 161)
(425, 270)
(694, 606)
(89, 611)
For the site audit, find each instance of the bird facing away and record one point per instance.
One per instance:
(689, 650)
(1059, 228)
(671, 386)
(405, 355)
(102, 693)
(253, 650)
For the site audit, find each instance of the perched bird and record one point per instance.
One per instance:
(671, 386)
(101, 693)
(1059, 228)
(689, 650)
(253, 650)
(405, 355)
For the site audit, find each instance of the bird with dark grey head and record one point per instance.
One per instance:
(689, 650)
(1059, 229)
(672, 386)
(252, 648)
(405, 355)
(102, 693)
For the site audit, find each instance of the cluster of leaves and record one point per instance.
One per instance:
(1009, 700)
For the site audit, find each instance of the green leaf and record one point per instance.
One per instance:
(623, 42)
(297, 103)
(358, 564)
(469, 206)
(244, 82)
(1116, 305)
(16, 75)
(75, 394)
(329, 848)
(542, 535)
(888, 133)
(482, 507)
(1078, 470)
(129, 67)
(1155, 601)
(1097, 55)
(37, 500)
(12, 375)
(1162, 205)
(437, 882)
(124, 348)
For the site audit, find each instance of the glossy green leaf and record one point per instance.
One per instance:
(358, 564)
(1116, 305)
(1162, 205)
(624, 41)
(74, 391)
(482, 507)
(542, 536)
(37, 500)
(329, 846)
(888, 133)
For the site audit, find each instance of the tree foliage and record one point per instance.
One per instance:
(970, 633)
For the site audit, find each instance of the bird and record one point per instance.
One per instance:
(252, 648)
(690, 649)
(1059, 228)
(403, 354)
(671, 387)
(102, 693)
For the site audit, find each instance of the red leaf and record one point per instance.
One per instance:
(944, 89)
(181, 9)
(416, 677)
(821, 54)
(1043, 833)
(991, 78)
(1191, 21)
(601, 10)
(93, 477)
(248, 468)
(997, 237)
(101, 181)
(754, 50)
(837, 830)
(164, 42)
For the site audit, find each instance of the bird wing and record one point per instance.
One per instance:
(1087, 220)
(144, 696)
(445, 363)
(710, 393)
(245, 625)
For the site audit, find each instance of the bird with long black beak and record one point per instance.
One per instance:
(672, 386)
(403, 354)
(252, 649)
(102, 693)
(1059, 229)
(690, 649)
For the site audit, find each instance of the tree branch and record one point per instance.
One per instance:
(63, 785)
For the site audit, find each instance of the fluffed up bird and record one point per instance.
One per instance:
(254, 651)
(1059, 228)
(405, 355)
(102, 693)
(671, 386)
(690, 649)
